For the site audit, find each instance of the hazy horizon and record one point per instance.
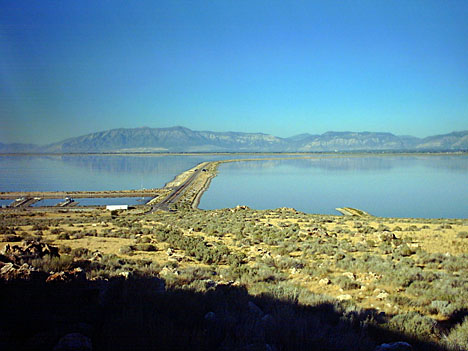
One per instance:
(280, 68)
(228, 131)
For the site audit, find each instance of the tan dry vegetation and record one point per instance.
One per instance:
(306, 258)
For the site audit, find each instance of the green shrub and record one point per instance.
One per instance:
(126, 250)
(11, 238)
(404, 251)
(457, 339)
(81, 252)
(346, 283)
(442, 307)
(144, 247)
(39, 227)
(414, 324)
(53, 264)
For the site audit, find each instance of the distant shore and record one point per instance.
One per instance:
(314, 153)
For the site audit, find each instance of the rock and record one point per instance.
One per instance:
(31, 250)
(350, 275)
(165, 271)
(210, 316)
(6, 268)
(79, 273)
(57, 277)
(255, 309)
(270, 347)
(318, 231)
(268, 319)
(74, 342)
(374, 276)
(125, 274)
(344, 297)
(382, 296)
(324, 281)
(387, 236)
(10, 271)
(67, 276)
(159, 286)
(97, 256)
(395, 346)
(209, 283)
(266, 256)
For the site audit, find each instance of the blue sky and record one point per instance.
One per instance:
(69, 68)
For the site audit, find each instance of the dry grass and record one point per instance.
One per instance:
(430, 236)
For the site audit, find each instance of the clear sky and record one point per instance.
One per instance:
(69, 68)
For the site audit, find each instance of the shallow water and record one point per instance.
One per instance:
(93, 172)
(47, 202)
(97, 172)
(389, 186)
(5, 202)
(399, 186)
(112, 201)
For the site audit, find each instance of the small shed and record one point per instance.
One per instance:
(116, 207)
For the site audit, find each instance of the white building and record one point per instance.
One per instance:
(116, 207)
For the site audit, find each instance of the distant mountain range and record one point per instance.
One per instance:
(181, 139)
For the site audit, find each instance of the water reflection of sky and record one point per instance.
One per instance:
(418, 186)
(384, 186)
(4, 202)
(131, 201)
(95, 172)
(112, 201)
(47, 202)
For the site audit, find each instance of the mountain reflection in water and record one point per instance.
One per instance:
(390, 186)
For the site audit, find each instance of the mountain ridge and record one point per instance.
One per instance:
(182, 139)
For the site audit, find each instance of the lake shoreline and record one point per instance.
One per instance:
(328, 165)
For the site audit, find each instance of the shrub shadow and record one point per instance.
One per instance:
(141, 314)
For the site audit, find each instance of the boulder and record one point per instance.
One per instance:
(382, 296)
(344, 297)
(10, 271)
(74, 342)
(268, 319)
(165, 271)
(395, 346)
(255, 309)
(349, 275)
(97, 256)
(324, 281)
(210, 316)
(125, 274)
(67, 276)
(31, 250)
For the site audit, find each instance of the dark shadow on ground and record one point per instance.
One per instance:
(140, 314)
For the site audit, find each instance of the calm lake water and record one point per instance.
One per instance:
(399, 186)
(92, 172)
(96, 172)
(389, 186)
(97, 201)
